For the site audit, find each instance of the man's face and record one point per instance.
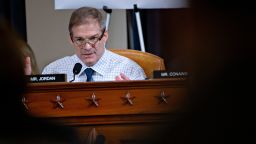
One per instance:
(88, 43)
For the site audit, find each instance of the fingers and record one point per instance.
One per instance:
(27, 68)
(118, 78)
(124, 77)
(121, 77)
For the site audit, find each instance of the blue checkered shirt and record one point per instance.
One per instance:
(107, 68)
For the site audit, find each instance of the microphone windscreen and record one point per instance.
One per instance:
(77, 68)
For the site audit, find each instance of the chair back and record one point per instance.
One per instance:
(149, 62)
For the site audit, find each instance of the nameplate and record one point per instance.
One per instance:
(169, 74)
(46, 78)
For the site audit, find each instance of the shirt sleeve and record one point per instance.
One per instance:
(134, 71)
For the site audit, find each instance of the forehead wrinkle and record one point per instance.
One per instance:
(89, 29)
(85, 31)
(95, 35)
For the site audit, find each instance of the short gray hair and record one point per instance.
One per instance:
(83, 15)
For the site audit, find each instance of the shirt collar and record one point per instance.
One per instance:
(100, 67)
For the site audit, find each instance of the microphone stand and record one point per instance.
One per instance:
(73, 78)
(76, 70)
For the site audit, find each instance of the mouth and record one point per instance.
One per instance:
(88, 55)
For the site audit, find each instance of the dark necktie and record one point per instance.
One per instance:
(89, 73)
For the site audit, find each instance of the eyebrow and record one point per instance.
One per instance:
(87, 37)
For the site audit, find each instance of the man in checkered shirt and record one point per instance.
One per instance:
(88, 36)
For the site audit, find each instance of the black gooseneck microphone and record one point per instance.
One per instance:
(77, 68)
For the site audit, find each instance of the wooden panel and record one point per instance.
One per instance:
(118, 120)
(110, 102)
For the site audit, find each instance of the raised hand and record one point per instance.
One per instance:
(27, 68)
(121, 77)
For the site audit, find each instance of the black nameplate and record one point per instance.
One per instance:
(169, 74)
(46, 78)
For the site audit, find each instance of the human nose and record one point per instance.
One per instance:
(86, 45)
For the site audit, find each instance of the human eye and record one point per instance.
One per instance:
(79, 40)
(93, 39)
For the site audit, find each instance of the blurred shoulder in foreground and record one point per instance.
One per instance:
(17, 126)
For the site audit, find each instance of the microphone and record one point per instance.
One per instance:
(77, 68)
